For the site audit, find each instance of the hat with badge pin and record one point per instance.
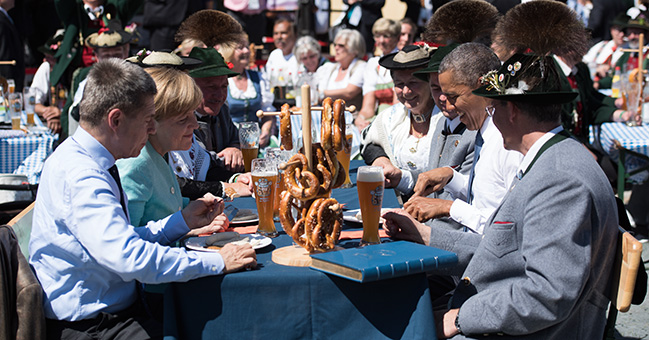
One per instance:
(410, 57)
(531, 74)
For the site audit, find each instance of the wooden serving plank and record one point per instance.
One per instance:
(294, 256)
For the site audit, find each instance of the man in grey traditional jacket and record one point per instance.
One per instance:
(542, 268)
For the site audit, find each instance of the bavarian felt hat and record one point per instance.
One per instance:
(112, 35)
(435, 61)
(145, 58)
(52, 44)
(411, 56)
(213, 63)
(637, 19)
(526, 78)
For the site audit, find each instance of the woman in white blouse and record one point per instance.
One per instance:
(249, 91)
(344, 78)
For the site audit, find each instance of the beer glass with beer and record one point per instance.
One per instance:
(370, 196)
(344, 156)
(277, 156)
(15, 109)
(249, 140)
(29, 96)
(264, 179)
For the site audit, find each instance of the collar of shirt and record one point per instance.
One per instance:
(91, 12)
(564, 67)
(531, 153)
(96, 150)
(488, 128)
(453, 123)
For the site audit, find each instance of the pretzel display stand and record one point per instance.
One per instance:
(307, 212)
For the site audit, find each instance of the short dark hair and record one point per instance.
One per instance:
(469, 62)
(291, 24)
(542, 113)
(111, 84)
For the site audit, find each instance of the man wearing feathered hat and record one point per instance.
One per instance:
(217, 133)
(512, 284)
(109, 42)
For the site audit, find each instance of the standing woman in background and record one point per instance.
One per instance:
(249, 91)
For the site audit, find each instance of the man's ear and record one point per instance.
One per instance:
(513, 110)
(115, 119)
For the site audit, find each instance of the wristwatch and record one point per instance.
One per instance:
(457, 322)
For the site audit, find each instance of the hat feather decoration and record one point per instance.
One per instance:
(212, 27)
(543, 27)
(462, 21)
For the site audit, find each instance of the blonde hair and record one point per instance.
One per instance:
(227, 50)
(387, 26)
(187, 45)
(177, 92)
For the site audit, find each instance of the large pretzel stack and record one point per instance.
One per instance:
(306, 211)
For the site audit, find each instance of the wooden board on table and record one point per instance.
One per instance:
(294, 256)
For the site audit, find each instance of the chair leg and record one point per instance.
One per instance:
(609, 330)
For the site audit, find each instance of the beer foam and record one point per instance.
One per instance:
(370, 176)
(264, 173)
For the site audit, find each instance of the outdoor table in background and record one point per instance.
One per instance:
(25, 153)
(283, 302)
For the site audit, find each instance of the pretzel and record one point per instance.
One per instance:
(325, 129)
(338, 130)
(285, 128)
(300, 182)
(323, 224)
(293, 228)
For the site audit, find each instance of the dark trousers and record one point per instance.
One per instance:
(131, 323)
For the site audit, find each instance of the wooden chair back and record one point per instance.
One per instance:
(627, 263)
(22, 227)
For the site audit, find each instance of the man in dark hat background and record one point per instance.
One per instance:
(45, 107)
(110, 42)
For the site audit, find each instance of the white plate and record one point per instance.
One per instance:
(198, 242)
(350, 216)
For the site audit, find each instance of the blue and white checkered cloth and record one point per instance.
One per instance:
(22, 153)
(634, 138)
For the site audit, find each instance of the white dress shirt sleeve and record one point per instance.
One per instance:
(457, 186)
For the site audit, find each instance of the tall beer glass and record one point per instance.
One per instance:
(370, 196)
(15, 109)
(249, 141)
(29, 98)
(264, 179)
(277, 156)
(344, 156)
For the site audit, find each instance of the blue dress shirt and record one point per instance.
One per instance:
(85, 253)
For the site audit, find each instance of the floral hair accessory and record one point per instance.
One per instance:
(230, 65)
(141, 54)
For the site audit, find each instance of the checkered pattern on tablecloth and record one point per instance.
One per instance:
(25, 155)
(634, 138)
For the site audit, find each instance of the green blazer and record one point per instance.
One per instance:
(75, 21)
(151, 187)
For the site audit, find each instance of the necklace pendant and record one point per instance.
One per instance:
(412, 165)
(413, 150)
(419, 118)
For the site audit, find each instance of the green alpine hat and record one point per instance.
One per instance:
(213, 63)
(526, 78)
(637, 19)
(435, 60)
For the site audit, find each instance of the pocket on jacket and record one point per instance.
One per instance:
(500, 239)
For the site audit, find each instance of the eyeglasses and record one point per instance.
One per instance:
(340, 45)
(490, 110)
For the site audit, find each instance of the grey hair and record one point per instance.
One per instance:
(114, 83)
(353, 41)
(304, 45)
(469, 62)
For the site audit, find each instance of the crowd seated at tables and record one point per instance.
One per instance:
(483, 156)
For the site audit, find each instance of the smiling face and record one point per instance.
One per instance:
(284, 37)
(461, 100)
(438, 96)
(175, 133)
(386, 43)
(215, 92)
(241, 56)
(311, 60)
(412, 92)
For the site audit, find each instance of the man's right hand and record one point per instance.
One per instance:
(237, 257)
(391, 173)
(432, 181)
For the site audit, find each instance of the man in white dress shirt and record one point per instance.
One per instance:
(281, 60)
(86, 255)
(477, 195)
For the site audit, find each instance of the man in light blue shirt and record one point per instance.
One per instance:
(86, 255)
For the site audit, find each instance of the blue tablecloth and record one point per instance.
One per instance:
(634, 138)
(282, 302)
(22, 153)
